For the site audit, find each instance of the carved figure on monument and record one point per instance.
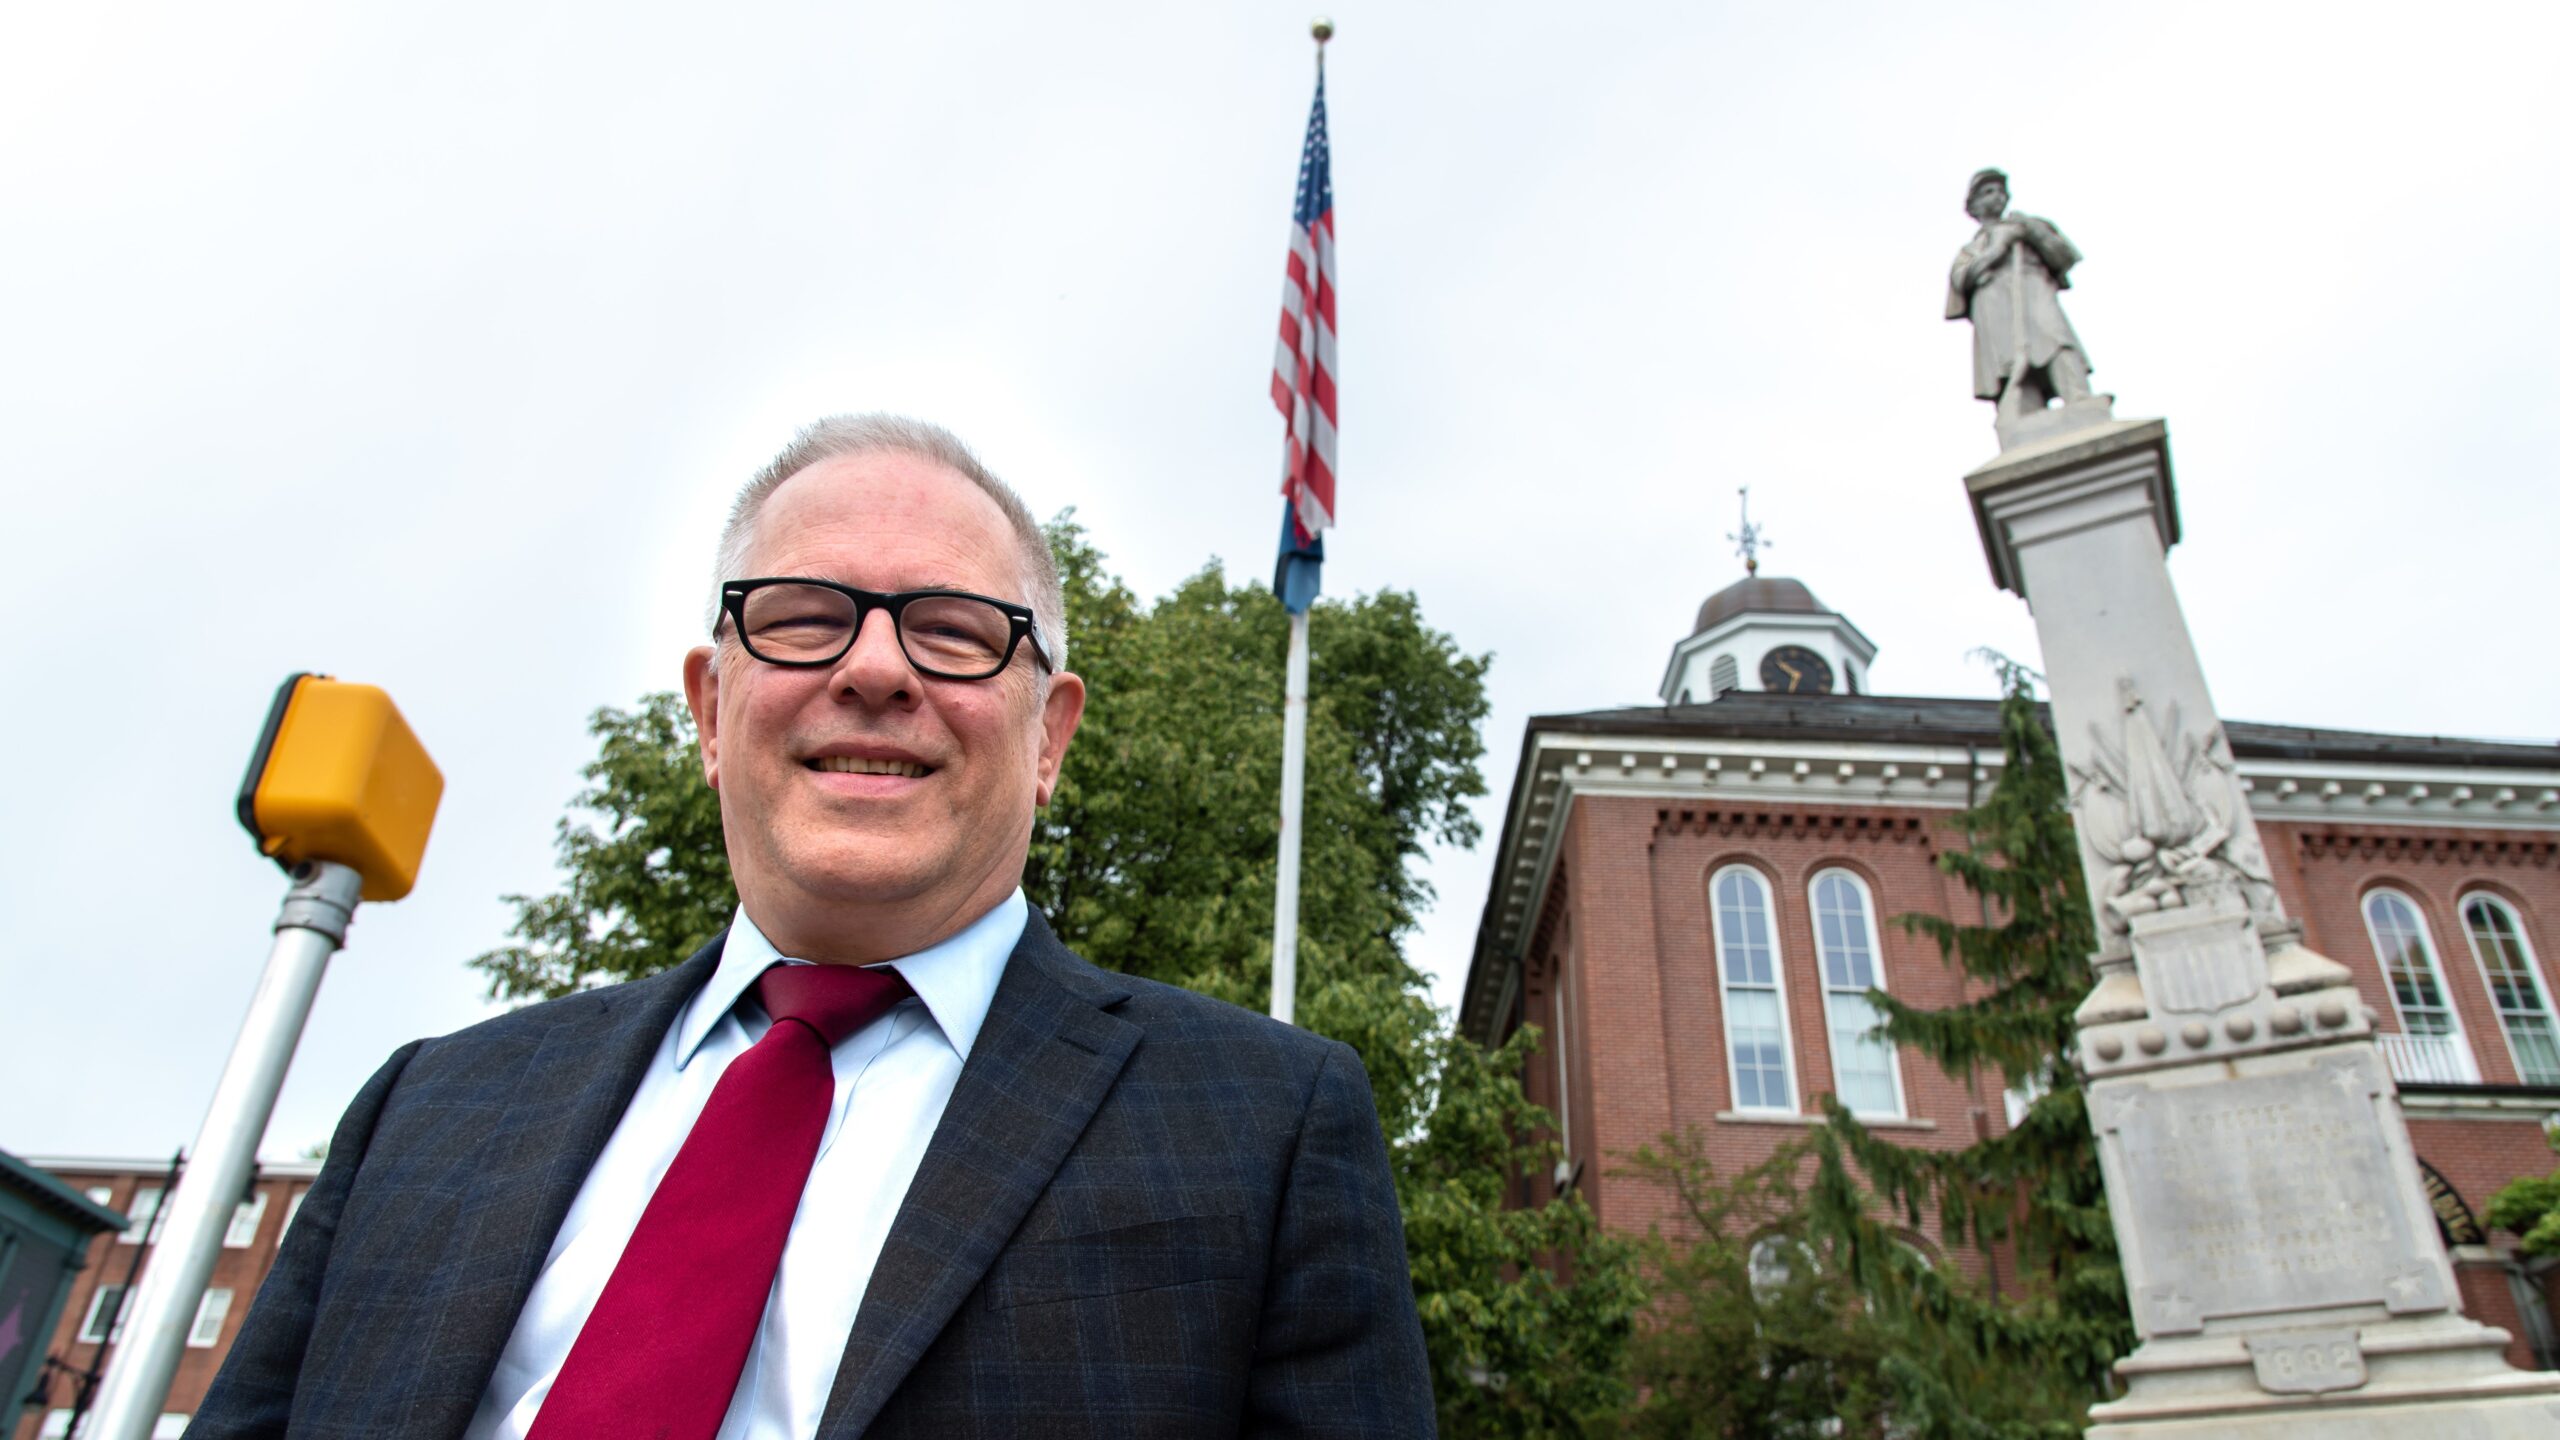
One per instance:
(2162, 809)
(2008, 281)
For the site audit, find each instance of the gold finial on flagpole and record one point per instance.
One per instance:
(1321, 28)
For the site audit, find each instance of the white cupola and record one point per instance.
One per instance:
(1767, 633)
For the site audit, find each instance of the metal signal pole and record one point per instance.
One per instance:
(340, 793)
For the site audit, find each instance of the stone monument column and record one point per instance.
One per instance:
(2280, 1257)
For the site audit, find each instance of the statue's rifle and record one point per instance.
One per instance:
(2016, 393)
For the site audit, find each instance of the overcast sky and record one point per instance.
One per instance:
(425, 344)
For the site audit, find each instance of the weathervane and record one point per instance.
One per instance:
(1748, 542)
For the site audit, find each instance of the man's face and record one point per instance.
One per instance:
(1989, 201)
(901, 859)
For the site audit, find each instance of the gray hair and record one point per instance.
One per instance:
(873, 434)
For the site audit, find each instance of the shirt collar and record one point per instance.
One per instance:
(955, 979)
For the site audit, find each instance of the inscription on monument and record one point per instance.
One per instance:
(2271, 1192)
(2307, 1362)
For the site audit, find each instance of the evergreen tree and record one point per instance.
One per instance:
(2027, 1355)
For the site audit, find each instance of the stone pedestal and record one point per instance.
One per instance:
(2280, 1256)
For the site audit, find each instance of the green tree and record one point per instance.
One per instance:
(1159, 853)
(1158, 857)
(1526, 1308)
(2025, 1357)
(646, 880)
(1785, 1351)
(2530, 1206)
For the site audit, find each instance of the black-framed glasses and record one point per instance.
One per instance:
(795, 621)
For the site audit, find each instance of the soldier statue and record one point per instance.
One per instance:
(2008, 281)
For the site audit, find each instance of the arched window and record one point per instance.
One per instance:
(2515, 983)
(1862, 1064)
(1755, 1003)
(1725, 674)
(2430, 1046)
(1773, 1265)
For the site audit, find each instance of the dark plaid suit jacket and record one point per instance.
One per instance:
(1145, 1213)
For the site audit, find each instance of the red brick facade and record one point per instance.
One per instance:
(1620, 969)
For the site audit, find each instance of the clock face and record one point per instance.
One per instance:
(1794, 670)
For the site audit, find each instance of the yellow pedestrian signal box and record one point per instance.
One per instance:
(338, 776)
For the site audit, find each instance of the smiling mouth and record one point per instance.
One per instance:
(857, 765)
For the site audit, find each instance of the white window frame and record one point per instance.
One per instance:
(56, 1426)
(2435, 967)
(246, 1217)
(292, 1208)
(172, 1425)
(143, 1216)
(1875, 960)
(2532, 970)
(211, 1311)
(1777, 983)
(89, 1333)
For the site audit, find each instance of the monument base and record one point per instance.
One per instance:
(2387, 1378)
(2279, 1254)
(2513, 1418)
(2511, 1406)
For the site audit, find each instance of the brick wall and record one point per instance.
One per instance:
(1627, 952)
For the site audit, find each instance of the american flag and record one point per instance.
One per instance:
(1302, 374)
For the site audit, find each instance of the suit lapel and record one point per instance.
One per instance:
(566, 1099)
(1043, 1061)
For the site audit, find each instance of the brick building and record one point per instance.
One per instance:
(1691, 899)
(136, 1188)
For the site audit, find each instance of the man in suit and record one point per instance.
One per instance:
(885, 1159)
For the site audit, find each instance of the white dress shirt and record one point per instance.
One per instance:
(893, 1078)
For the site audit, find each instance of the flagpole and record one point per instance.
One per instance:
(1293, 720)
(1293, 794)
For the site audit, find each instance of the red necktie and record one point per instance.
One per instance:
(660, 1355)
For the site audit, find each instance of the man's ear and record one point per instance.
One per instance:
(702, 697)
(1060, 713)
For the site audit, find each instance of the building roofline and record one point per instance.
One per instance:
(121, 1165)
(34, 1179)
(1940, 720)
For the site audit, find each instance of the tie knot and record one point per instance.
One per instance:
(834, 1000)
